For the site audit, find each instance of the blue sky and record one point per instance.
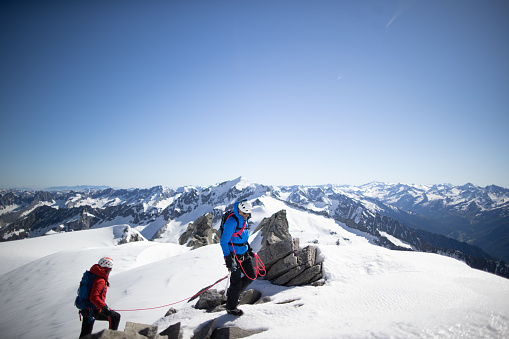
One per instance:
(172, 93)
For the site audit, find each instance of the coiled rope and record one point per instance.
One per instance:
(259, 266)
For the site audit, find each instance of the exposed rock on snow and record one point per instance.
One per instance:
(286, 264)
(200, 233)
(215, 300)
(137, 331)
(274, 229)
(232, 332)
(210, 299)
(271, 254)
(130, 235)
(172, 332)
(250, 297)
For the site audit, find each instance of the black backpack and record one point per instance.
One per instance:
(225, 217)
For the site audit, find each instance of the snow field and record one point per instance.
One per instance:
(370, 292)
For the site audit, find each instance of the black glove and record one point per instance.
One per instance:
(228, 260)
(250, 251)
(106, 311)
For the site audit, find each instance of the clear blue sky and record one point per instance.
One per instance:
(172, 93)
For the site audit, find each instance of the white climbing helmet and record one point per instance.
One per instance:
(106, 262)
(245, 207)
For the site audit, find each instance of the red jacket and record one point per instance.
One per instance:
(99, 287)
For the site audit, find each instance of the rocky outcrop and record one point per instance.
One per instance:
(130, 235)
(139, 331)
(200, 233)
(213, 300)
(274, 229)
(285, 262)
(232, 332)
(209, 330)
(210, 299)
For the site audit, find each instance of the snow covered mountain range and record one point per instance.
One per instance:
(466, 222)
(475, 215)
(369, 290)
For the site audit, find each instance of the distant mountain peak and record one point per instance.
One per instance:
(76, 188)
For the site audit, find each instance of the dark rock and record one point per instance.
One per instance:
(170, 312)
(130, 235)
(271, 254)
(232, 333)
(264, 300)
(200, 233)
(318, 282)
(220, 308)
(206, 330)
(289, 276)
(309, 275)
(209, 299)
(282, 266)
(110, 334)
(289, 301)
(250, 297)
(172, 332)
(274, 229)
(284, 261)
(307, 256)
(149, 331)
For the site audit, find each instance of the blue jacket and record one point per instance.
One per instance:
(230, 227)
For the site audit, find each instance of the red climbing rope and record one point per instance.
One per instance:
(259, 265)
(177, 302)
(259, 268)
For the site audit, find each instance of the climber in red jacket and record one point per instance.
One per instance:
(98, 298)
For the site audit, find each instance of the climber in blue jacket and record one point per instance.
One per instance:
(237, 254)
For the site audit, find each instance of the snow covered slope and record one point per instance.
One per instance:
(478, 217)
(370, 291)
(14, 254)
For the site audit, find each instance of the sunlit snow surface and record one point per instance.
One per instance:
(370, 292)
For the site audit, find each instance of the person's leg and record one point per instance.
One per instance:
(234, 289)
(87, 323)
(99, 315)
(114, 320)
(249, 270)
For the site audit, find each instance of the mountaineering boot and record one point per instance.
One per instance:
(236, 312)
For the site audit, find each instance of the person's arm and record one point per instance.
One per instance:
(228, 229)
(95, 293)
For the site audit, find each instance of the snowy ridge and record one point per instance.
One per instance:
(476, 215)
(369, 292)
(455, 197)
(162, 214)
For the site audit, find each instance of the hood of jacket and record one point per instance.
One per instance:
(99, 271)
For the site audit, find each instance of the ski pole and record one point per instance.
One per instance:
(227, 283)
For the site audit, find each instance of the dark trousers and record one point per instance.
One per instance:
(88, 323)
(238, 283)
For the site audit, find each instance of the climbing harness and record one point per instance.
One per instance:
(90, 319)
